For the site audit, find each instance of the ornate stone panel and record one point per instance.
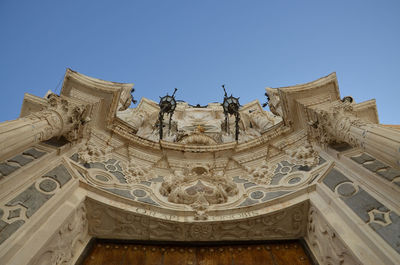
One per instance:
(197, 188)
(384, 221)
(325, 243)
(106, 221)
(18, 210)
(66, 244)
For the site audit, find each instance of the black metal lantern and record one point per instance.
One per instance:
(167, 106)
(231, 106)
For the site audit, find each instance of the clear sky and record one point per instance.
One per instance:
(197, 46)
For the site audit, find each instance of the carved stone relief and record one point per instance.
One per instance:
(67, 243)
(198, 187)
(106, 221)
(325, 243)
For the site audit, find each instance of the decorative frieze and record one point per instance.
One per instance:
(106, 221)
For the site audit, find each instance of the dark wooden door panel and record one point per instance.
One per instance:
(290, 253)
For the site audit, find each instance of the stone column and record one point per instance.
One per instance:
(337, 122)
(62, 117)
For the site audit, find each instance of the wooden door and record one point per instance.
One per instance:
(290, 253)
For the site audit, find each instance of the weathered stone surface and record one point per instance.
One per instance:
(248, 202)
(34, 153)
(374, 165)
(57, 141)
(294, 180)
(48, 185)
(157, 179)
(60, 174)
(274, 194)
(6, 169)
(361, 203)
(249, 184)
(75, 157)
(21, 160)
(361, 159)
(14, 213)
(237, 179)
(120, 176)
(346, 189)
(389, 173)
(7, 229)
(139, 193)
(340, 147)
(31, 199)
(101, 178)
(257, 195)
(120, 192)
(148, 200)
(391, 232)
(334, 178)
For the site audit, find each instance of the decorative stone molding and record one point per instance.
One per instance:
(65, 245)
(325, 243)
(107, 221)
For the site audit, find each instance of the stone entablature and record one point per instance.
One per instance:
(298, 172)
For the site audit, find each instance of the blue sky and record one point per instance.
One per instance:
(197, 46)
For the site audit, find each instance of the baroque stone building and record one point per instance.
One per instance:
(83, 165)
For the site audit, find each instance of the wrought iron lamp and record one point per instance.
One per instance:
(231, 107)
(167, 106)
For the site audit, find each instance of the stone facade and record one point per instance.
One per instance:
(82, 164)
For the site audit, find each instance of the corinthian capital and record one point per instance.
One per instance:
(335, 122)
(66, 117)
